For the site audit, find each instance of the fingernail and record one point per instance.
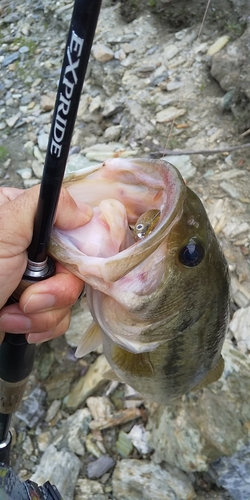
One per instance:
(39, 302)
(15, 323)
(39, 338)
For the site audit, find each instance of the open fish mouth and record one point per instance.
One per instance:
(139, 187)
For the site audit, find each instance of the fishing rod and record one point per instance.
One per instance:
(16, 355)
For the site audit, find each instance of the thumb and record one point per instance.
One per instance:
(68, 214)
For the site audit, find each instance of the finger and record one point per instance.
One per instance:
(9, 194)
(69, 215)
(59, 291)
(14, 321)
(35, 338)
(21, 212)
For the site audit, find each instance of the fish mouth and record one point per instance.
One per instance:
(139, 185)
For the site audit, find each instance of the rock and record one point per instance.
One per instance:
(72, 432)
(102, 53)
(112, 133)
(184, 165)
(89, 383)
(87, 489)
(231, 67)
(80, 317)
(100, 407)
(25, 173)
(240, 327)
(13, 119)
(123, 445)
(32, 409)
(48, 101)
(218, 45)
(170, 51)
(169, 114)
(143, 480)
(42, 140)
(60, 468)
(138, 436)
(37, 168)
(10, 59)
(232, 473)
(208, 424)
(53, 410)
(100, 466)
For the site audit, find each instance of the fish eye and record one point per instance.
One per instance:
(139, 227)
(193, 253)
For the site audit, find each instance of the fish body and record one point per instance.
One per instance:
(161, 302)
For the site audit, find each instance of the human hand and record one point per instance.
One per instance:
(43, 311)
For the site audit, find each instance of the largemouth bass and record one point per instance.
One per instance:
(159, 302)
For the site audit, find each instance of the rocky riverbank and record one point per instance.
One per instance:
(153, 85)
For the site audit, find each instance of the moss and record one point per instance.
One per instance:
(4, 153)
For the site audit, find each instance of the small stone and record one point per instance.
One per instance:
(44, 440)
(28, 446)
(138, 436)
(174, 86)
(42, 141)
(60, 468)
(72, 432)
(100, 466)
(13, 120)
(169, 114)
(32, 409)
(184, 165)
(170, 51)
(8, 60)
(87, 489)
(230, 189)
(127, 48)
(24, 49)
(112, 133)
(123, 445)
(89, 383)
(48, 102)
(102, 53)
(38, 155)
(31, 105)
(95, 104)
(218, 45)
(53, 410)
(120, 55)
(37, 168)
(100, 407)
(240, 327)
(25, 173)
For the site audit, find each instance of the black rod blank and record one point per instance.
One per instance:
(80, 38)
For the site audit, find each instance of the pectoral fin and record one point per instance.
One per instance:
(134, 364)
(91, 339)
(211, 376)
